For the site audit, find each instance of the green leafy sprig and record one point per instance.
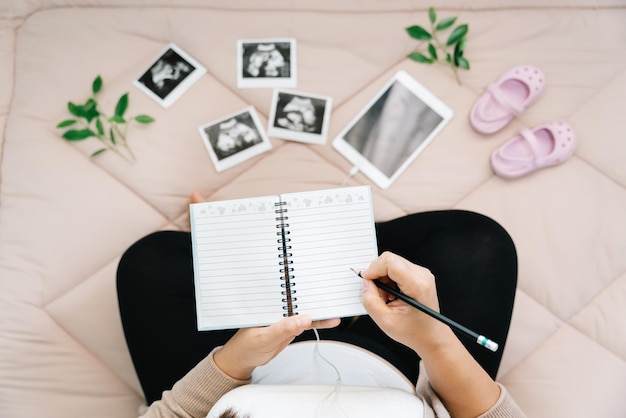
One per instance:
(449, 53)
(90, 122)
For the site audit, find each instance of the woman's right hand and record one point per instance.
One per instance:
(462, 384)
(397, 319)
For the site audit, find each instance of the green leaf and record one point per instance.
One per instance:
(99, 127)
(432, 51)
(66, 122)
(418, 32)
(100, 151)
(419, 57)
(75, 110)
(78, 135)
(117, 119)
(96, 85)
(90, 110)
(122, 105)
(144, 119)
(458, 52)
(112, 135)
(89, 105)
(457, 34)
(463, 63)
(445, 23)
(459, 48)
(432, 15)
(448, 57)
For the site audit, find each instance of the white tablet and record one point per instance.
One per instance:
(392, 129)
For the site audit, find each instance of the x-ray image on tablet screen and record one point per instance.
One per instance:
(392, 129)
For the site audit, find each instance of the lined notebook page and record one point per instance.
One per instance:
(330, 231)
(237, 277)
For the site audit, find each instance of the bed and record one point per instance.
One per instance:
(67, 217)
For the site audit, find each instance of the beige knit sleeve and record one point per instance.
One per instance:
(505, 406)
(196, 393)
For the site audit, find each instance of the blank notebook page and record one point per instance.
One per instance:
(330, 232)
(236, 268)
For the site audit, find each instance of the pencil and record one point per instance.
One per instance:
(480, 339)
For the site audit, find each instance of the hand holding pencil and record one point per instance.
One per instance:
(413, 282)
(400, 321)
(453, 373)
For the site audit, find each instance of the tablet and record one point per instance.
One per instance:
(392, 129)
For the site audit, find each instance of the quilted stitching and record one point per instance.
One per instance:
(64, 219)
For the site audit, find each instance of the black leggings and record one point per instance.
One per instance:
(472, 257)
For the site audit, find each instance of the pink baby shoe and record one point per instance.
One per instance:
(515, 90)
(543, 146)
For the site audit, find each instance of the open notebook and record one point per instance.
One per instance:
(257, 260)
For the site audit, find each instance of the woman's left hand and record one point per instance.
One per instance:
(253, 347)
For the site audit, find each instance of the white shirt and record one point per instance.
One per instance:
(299, 382)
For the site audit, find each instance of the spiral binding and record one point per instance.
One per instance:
(285, 262)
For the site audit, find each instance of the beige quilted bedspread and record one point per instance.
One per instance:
(66, 218)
